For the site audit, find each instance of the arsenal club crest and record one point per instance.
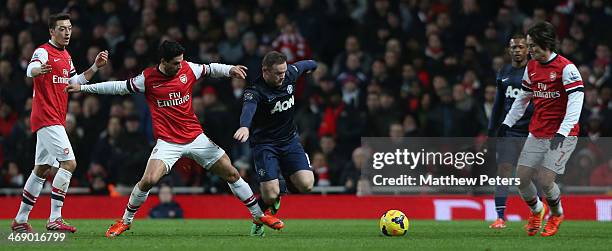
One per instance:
(65, 72)
(290, 89)
(183, 78)
(553, 76)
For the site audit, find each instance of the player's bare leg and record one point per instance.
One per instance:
(60, 185)
(504, 170)
(154, 171)
(546, 178)
(270, 191)
(269, 196)
(529, 194)
(31, 190)
(303, 180)
(224, 169)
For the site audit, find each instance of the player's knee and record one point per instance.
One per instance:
(232, 176)
(147, 182)
(42, 171)
(306, 188)
(546, 182)
(270, 193)
(271, 197)
(69, 165)
(306, 185)
(546, 186)
(524, 184)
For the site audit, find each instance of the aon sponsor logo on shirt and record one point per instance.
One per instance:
(281, 106)
(512, 92)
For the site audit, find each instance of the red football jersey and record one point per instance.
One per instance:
(50, 102)
(551, 83)
(169, 99)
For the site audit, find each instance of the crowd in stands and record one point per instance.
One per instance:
(387, 68)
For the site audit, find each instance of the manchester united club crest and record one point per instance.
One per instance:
(66, 151)
(183, 78)
(553, 76)
(262, 173)
(290, 89)
(65, 72)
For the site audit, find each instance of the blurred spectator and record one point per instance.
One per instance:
(351, 174)
(231, 47)
(19, 146)
(351, 47)
(444, 120)
(291, 43)
(321, 169)
(602, 175)
(107, 151)
(13, 177)
(217, 118)
(8, 117)
(167, 207)
(134, 150)
(334, 160)
(252, 56)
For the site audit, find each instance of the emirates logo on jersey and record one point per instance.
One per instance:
(553, 76)
(542, 92)
(183, 78)
(65, 72)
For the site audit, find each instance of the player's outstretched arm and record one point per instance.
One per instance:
(101, 60)
(238, 71)
(518, 108)
(305, 66)
(83, 78)
(216, 70)
(109, 87)
(38, 64)
(519, 105)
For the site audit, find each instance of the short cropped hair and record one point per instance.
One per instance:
(273, 58)
(57, 17)
(169, 50)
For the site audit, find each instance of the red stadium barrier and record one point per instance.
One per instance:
(576, 207)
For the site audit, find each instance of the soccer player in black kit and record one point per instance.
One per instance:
(269, 110)
(509, 82)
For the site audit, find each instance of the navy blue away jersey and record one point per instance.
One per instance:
(509, 82)
(273, 121)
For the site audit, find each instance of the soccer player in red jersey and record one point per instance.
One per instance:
(168, 90)
(52, 69)
(555, 86)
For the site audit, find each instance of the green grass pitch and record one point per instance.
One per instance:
(318, 235)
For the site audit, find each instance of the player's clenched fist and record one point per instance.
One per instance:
(242, 134)
(101, 58)
(238, 71)
(71, 88)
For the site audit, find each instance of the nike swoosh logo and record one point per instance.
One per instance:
(156, 86)
(531, 75)
(505, 79)
(56, 59)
